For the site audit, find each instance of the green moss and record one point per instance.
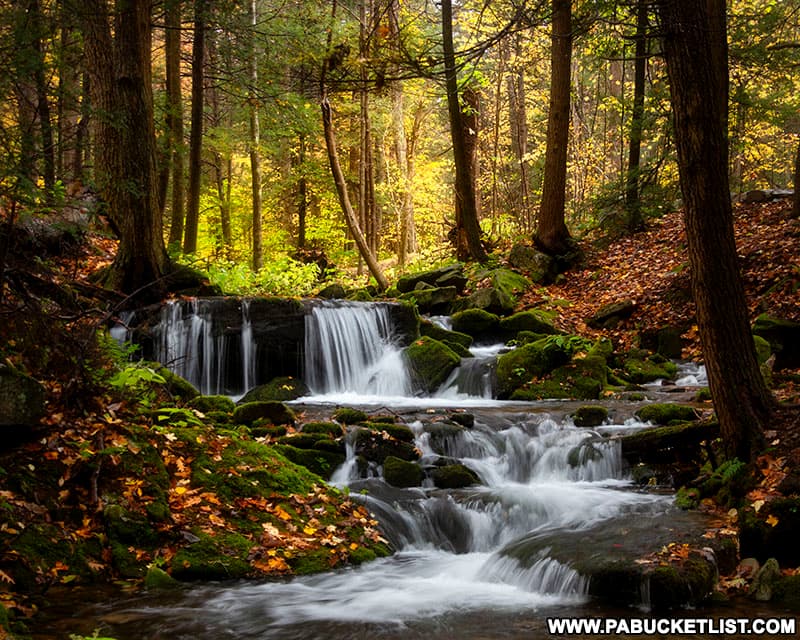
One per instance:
(129, 528)
(589, 416)
(327, 428)
(301, 440)
(427, 328)
(275, 412)
(397, 431)
(640, 371)
(687, 498)
(535, 320)
(157, 578)
(219, 557)
(454, 476)
(207, 404)
(402, 473)
(533, 360)
(374, 447)
(476, 322)
(581, 379)
(508, 285)
(318, 461)
(431, 362)
(178, 387)
(280, 389)
(763, 349)
(703, 395)
(664, 413)
(266, 430)
(603, 348)
(346, 415)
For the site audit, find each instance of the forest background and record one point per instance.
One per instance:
(245, 188)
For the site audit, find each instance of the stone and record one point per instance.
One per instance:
(432, 300)
(451, 275)
(22, 399)
(783, 337)
(454, 476)
(208, 404)
(644, 370)
(533, 360)
(428, 328)
(589, 416)
(273, 411)
(282, 389)
(538, 266)
(665, 413)
(581, 379)
(480, 324)
(533, 320)
(765, 580)
(402, 473)
(509, 285)
(430, 363)
(610, 315)
(333, 291)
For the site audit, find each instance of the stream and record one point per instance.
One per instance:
(489, 561)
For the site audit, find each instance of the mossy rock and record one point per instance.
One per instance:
(301, 440)
(374, 447)
(274, 411)
(178, 387)
(580, 379)
(479, 324)
(526, 337)
(688, 498)
(330, 429)
(157, 578)
(533, 360)
(602, 348)
(441, 436)
(763, 349)
(509, 285)
(703, 395)
(783, 337)
(675, 587)
(397, 431)
(319, 461)
(282, 389)
(665, 413)
(584, 453)
(427, 328)
(402, 473)
(454, 476)
(641, 371)
(209, 404)
(460, 351)
(466, 420)
(449, 275)
(361, 295)
(433, 300)
(534, 320)
(590, 416)
(219, 557)
(347, 415)
(263, 429)
(431, 362)
(334, 291)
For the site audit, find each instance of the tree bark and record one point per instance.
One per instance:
(695, 49)
(467, 229)
(552, 235)
(633, 206)
(196, 132)
(255, 141)
(796, 204)
(174, 121)
(125, 163)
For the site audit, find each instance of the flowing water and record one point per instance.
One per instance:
(458, 571)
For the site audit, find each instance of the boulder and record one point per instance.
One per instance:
(610, 315)
(589, 416)
(451, 275)
(333, 291)
(454, 476)
(539, 266)
(581, 379)
(665, 413)
(533, 320)
(22, 399)
(441, 436)
(271, 411)
(509, 285)
(783, 337)
(432, 300)
(210, 404)
(282, 389)
(430, 363)
(647, 369)
(481, 325)
(533, 360)
(427, 328)
(666, 341)
(764, 583)
(375, 446)
(668, 445)
(402, 473)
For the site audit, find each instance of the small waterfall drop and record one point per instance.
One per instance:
(350, 348)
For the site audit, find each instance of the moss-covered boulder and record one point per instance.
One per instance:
(281, 389)
(318, 458)
(580, 379)
(430, 363)
(609, 315)
(642, 370)
(157, 578)
(428, 328)
(348, 415)
(375, 446)
(176, 386)
(402, 473)
(589, 416)
(208, 404)
(434, 300)
(328, 429)
(538, 266)
(334, 291)
(478, 323)
(529, 361)
(397, 431)
(763, 349)
(273, 411)
(454, 476)
(451, 275)
(783, 337)
(222, 556)
(666, 413)
(534, 320)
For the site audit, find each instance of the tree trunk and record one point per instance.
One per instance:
(633, 206)
(302, 193)
(344, 199)
(796, 204)
(518, 120)
(552, 235)
(467, 229)
(125, 163)
(255, 141)
(174, 120)
(695, 49)
(196, 131)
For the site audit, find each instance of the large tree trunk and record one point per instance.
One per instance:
(255, 141)
(174, 120)
(552, 235)
(196, 131)
(695, 49)
(796, 205)
(467, 229)
(633, 206)
(125, 163)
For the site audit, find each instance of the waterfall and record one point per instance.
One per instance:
(350, 348)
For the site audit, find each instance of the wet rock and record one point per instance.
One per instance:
(533, 360)
(668, 445)
(282, 389)
(466, 420)
(402, 473)
(589, 416)
(448, 276)
(317, 460)
(373, 446)
(478, 323)
(580, 379)
(441, 436)
(348, 415)
(273, 411)
(157, 578)
(427, 328)
(765, 581)
(329, 429)
(664, 413)
(430, 362)
(783, 337)
(454, 476)
(641, 370)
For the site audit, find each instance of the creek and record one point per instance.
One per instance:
(492, 560)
